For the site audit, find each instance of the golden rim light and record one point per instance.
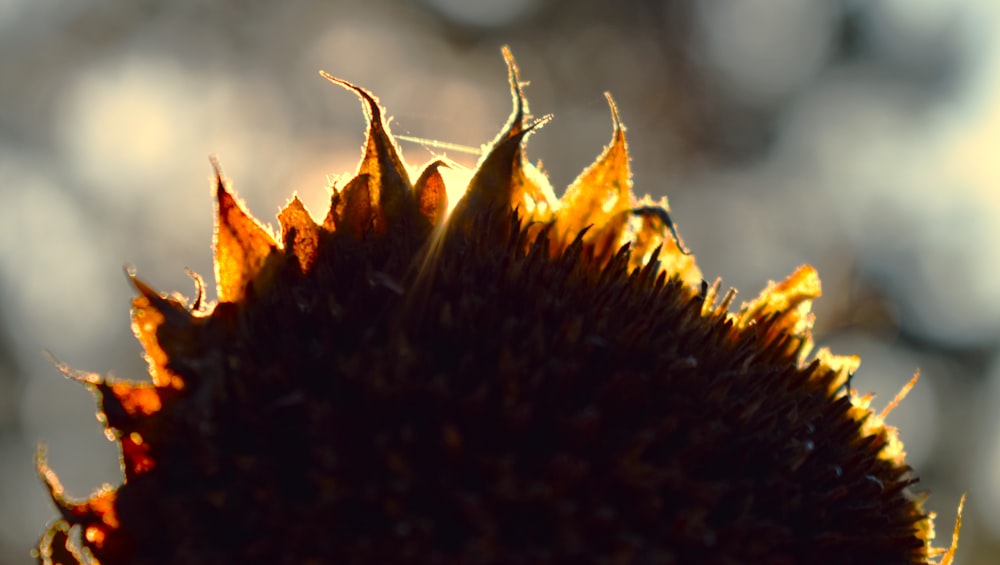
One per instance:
(598, 210)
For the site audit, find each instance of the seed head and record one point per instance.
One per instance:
(527, 379)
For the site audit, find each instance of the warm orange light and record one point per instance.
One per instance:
(137, 399)
(95, 535)
(136, 453)
(102, 504)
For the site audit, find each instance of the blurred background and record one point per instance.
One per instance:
(858, 136)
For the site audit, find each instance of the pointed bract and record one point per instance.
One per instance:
(151, 314)
(500, 181)
(388, 179)
(242, 245)
(603, 190)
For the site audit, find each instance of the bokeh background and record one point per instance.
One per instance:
(859, 136)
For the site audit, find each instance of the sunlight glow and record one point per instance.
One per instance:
(456, 180)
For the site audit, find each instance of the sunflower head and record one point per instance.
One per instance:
(523, 379)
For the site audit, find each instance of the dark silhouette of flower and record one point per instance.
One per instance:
(525, 379)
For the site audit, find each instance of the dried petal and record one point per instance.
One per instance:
(242, 245)
(432, 198)
(299, 232)
(603, 190)
(392, 193)
(155, 320)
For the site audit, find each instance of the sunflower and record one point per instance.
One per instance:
(520, 379)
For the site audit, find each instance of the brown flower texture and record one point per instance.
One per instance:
(524, 379)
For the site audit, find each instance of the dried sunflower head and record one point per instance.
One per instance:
(526, 379)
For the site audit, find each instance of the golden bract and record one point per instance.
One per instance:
(528, 379)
